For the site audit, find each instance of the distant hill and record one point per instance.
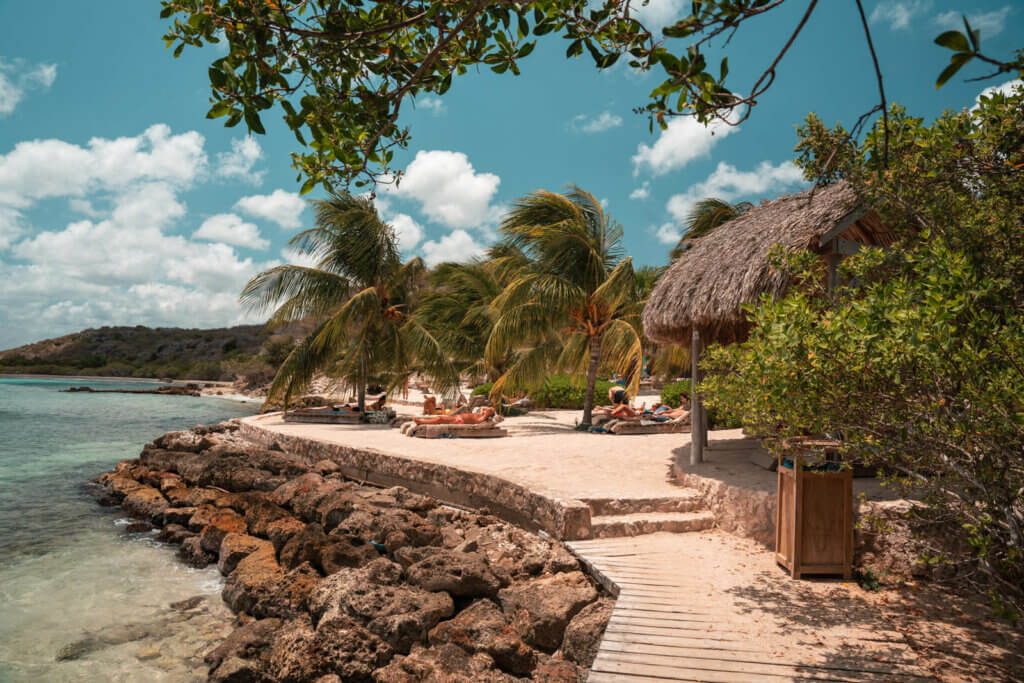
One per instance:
(164, 352)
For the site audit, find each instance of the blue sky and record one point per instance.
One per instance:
(120, 204)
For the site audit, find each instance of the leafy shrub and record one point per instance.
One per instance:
(558, 391)
(674, 393)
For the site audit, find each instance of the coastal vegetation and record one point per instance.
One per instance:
(573, 304)
(248, 352)
(917, 362)
(365, 296)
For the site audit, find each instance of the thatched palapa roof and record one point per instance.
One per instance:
(709, 283)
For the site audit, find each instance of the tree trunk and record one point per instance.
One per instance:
(361, 404)
(595, 359)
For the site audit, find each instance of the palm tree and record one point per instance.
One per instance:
(364, 296)
(705, 216)
(457, 310)
(574, 306)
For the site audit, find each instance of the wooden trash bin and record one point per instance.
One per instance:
(814, 519)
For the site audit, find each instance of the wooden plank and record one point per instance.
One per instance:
(601, 677)
(674, 638)
(842, 665)
(652, 664)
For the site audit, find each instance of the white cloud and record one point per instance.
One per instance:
(728, 183)
(684, 140)
(668, 233)
(642, 192)
(596, 124)
(657, 14)
(1006, 88)
(457, 246)
(407, 231)
(279, 206)
(448, 189)
(11, 226)
(898, 13)
(17, 77)
(121, 263)
(231, 229)
(989, 23)
(39, 169)
(432, 104)
(238, 163)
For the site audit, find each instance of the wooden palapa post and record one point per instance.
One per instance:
(697, 426)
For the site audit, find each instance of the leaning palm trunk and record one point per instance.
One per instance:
(595, 360)
(361, 404)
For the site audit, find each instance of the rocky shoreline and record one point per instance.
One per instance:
(335, 581)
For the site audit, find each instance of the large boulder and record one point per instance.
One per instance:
(481, 627)
(282, 530)
(186, 441)
(179, 516)
(583, 634)
(556, 670)
(260, 514)
(145, 502)
(458, 573)
(222, 523)
(341, 552)
(444, 664)
(191, 551)
(342, 647)
(252, 585)
(246, 642)
(335, 507)
(544, 606)
(304, 546)
(236, 547)
(183, 496)
(307, 483)
(375, 597)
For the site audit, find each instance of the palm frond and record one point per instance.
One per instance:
(622, 349)
(309, 291)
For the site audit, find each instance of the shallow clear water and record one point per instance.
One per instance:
(70, 579)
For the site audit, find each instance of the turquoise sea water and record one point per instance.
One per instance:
(70, 579)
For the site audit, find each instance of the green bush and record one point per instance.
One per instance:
(673, 394)
(558, 391)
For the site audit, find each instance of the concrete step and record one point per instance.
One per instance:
(639, 523)
(688, 500)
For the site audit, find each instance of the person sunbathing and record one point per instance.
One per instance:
(431, 407)
(461, 419)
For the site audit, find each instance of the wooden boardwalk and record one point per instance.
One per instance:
(711, 607)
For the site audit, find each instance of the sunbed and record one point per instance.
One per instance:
(680, 425)
(484, 430)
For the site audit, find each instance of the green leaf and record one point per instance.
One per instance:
(724, 70)
(219, 109)
(974, 34)
(526, 49)
(957, 62)
(307, 186)
(252, 119)
(954, 40)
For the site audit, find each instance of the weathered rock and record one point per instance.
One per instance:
(202, 517)
(583, 634)
(261, 514)
(237, 670)
(192, 553)
(304, 504)
(445, 664)
(138, 528)
(145, 502)
(340, 552)
(180, 516)
(251, 587)
(409, 555)
(335, 507)
(188, 603)
(558, 671)
(560, 560)
(300, 654)
(294, 591)
(304, 546)
(325, 467)
(174, 533)
(222, 523)
(481, 627)
(235, 474)
(301, 485)
(462, 574)
(186, 441)
(183, 496)
(282, 530)
(246, 642)
(235, 548)
(400, 615)
(545, 606)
